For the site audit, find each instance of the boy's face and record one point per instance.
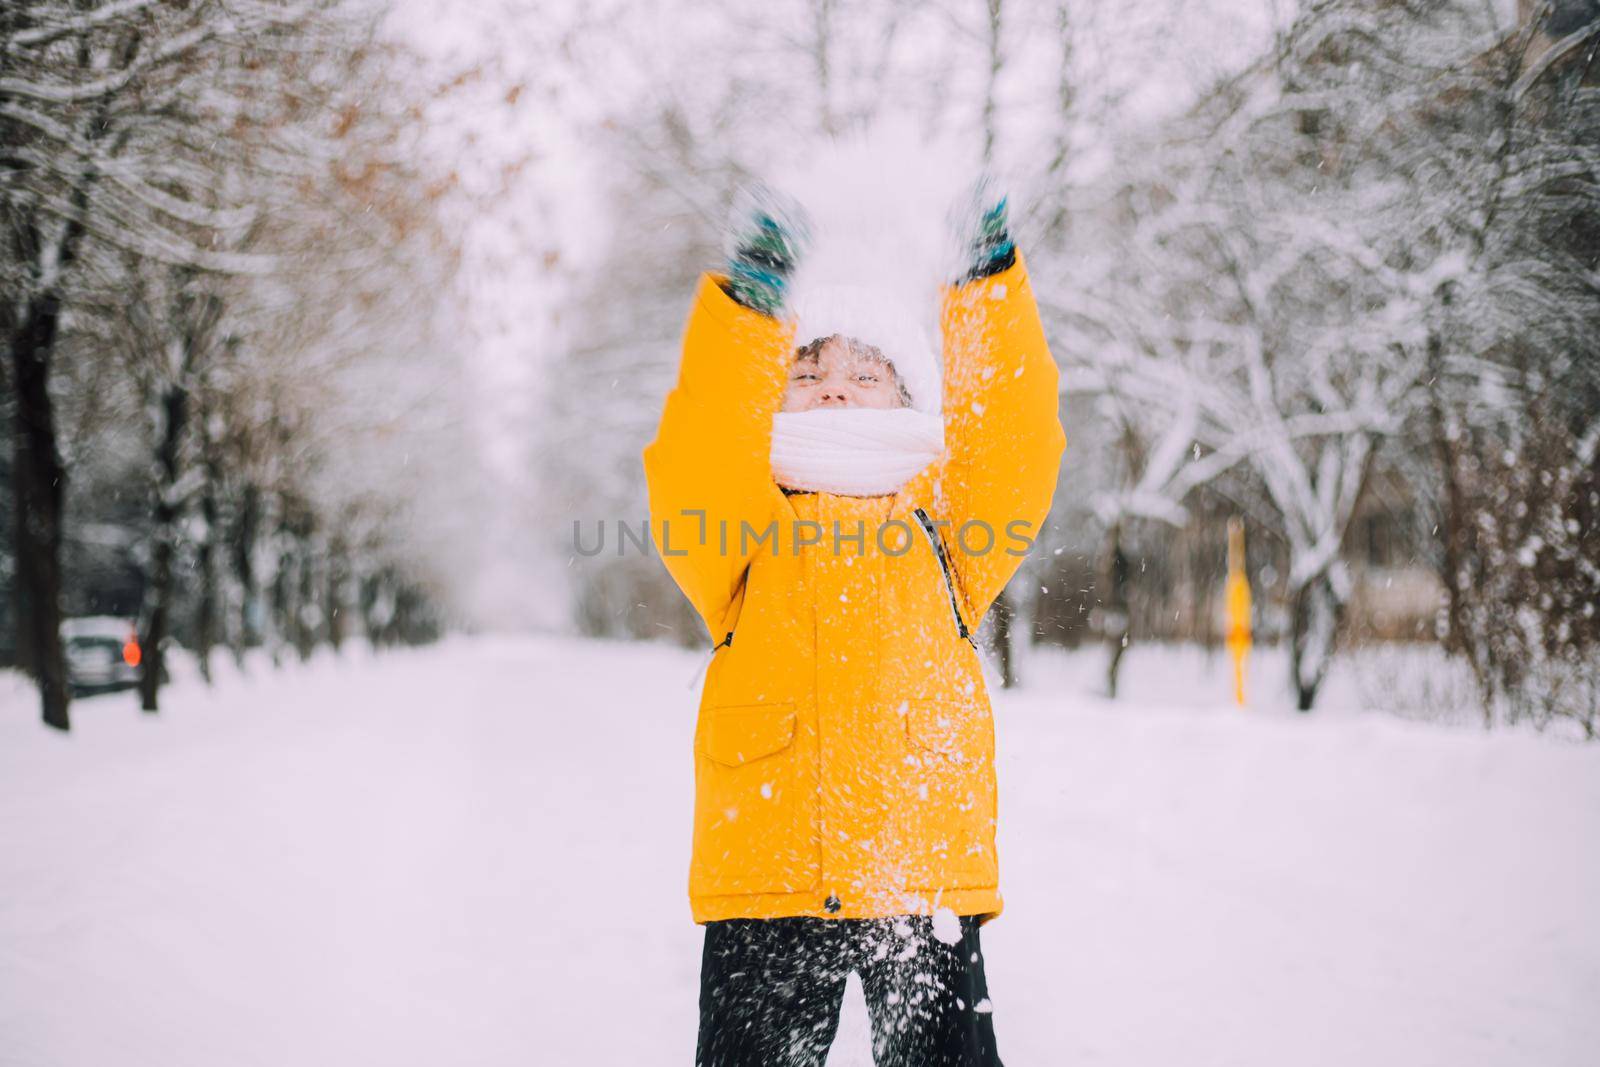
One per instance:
(840, 376)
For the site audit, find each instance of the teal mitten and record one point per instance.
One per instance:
(769, 233)
(990, 248)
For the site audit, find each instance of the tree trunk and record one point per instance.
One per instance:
(1004, 612)
(338, 576)
(206, 612)
(27, 660)
(1455, 528)
(39, 476)
(822, 57)
(996, 62)
(158, 594)
(1115, 610)
(306, 609)
(282, 597)
(39, 484)
(1314, 626)
(246, 531)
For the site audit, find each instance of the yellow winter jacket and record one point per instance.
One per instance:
(844, 753)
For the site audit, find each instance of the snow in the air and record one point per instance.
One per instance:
(477, 853)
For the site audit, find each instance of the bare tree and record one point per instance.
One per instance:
(238, 170)
(90, 106)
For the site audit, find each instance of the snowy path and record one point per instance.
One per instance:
(476, 855)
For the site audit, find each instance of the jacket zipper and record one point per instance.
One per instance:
(726, 642)
(944, 569)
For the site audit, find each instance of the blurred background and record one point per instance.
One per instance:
(329, 321)
(330, 326)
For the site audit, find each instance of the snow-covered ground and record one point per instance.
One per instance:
(477, 854)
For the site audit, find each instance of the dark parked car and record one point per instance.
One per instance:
(102, 653)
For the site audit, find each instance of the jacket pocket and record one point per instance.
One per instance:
(755, 803)
(962, 732)
(736, 734)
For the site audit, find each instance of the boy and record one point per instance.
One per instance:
(844, 754)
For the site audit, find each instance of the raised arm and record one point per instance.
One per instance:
(1003, 434)
(712, 450)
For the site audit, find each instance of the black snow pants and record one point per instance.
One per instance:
(770, 992)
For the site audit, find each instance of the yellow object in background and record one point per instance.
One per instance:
(1237, 602)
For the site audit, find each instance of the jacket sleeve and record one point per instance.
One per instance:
(1003, 434)
(709, 467)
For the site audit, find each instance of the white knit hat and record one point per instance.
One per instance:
(880, 248)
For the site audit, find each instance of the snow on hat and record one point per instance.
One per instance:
(879, 247)
(877, 317)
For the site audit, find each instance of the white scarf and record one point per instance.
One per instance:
(853, 451)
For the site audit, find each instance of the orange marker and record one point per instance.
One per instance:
(1236, 595)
